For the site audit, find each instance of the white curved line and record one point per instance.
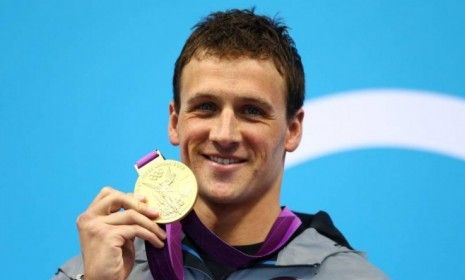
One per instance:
(382, 118)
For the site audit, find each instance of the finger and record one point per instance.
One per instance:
(138, 196)
(107, 190)
(104, 192)
(129, 232)
(117, 200)
(132, 217)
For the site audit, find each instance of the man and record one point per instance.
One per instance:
(237, 110)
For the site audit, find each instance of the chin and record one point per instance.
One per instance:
(220, 197)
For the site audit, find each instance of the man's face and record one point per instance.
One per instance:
(232, 128)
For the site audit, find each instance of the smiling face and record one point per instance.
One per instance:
(232, 129)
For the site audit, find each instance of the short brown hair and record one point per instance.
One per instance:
(235, 33)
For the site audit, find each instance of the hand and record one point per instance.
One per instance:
(107, 230)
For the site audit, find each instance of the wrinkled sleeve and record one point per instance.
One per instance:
(348, 266)
(70, 270)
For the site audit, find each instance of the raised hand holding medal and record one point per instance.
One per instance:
(168, 186)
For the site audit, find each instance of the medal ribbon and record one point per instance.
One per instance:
(147, 158)
(166, 263)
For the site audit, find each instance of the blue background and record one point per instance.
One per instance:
(84, 89)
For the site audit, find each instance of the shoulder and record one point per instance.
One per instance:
(74, 267)
(322, 223)
(320, 244)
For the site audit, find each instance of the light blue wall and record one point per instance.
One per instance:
(84, 88)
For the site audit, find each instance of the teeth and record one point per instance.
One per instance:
(224, 161)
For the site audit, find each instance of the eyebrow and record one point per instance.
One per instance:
(200, 96)
(254, 100)
(259, 101)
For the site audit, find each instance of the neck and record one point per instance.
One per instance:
(239, 225)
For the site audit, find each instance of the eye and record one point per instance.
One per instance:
(252, 111)
(206, 107)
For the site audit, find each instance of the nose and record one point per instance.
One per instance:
(225, 131)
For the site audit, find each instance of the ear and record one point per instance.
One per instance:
(173, 125)
(294, 131)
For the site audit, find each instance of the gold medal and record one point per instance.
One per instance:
(169, 186)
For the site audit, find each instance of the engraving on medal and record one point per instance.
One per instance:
(170, 187)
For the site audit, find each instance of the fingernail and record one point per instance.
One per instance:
(139, 197)
(158, 245)
(153, 211)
